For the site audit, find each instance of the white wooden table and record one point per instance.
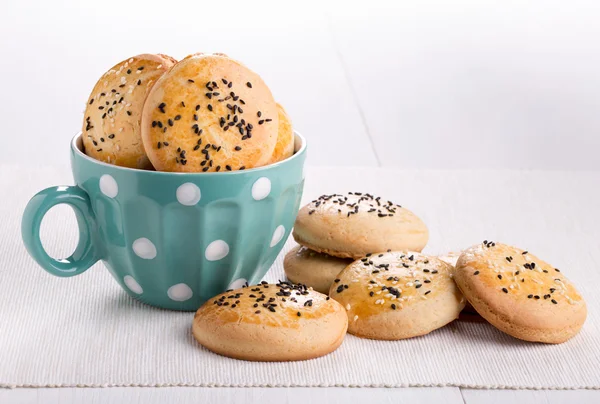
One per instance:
(414, 84)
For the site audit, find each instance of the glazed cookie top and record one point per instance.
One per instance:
(111, 127)
(354, 224)
(516, 284)
(273, 305)
(209, 113)
(385, 282)
(510, 273)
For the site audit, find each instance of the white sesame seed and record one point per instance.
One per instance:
(131, 60)
(117, 147)
(120, 129)
(409, 284)
(348, 306)
(159, 66)
(355, 318)
(138, 72)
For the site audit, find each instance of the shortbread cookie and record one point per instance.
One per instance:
(397, 295)
(285, 139)
(313, 269)
(209, 113)
(268, 322)
(111, 127)
(519, 293)
(355, 224)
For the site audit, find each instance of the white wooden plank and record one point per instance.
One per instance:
(54, 53)
(474, 84)
(184, 395)
(530, 396)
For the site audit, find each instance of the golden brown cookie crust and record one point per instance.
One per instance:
(313, 269)
(519, 293)
(355, 224)
(111, 127)
(397, 295)
(209, 113)
(284, 147)
(268, 322)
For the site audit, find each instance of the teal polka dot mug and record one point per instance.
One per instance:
(172, 240)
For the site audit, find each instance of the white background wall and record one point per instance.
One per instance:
(415, 84)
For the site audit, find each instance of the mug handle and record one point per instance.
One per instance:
(86, 253)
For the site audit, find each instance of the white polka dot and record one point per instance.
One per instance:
(132, 284)
(261, 188)
(238, 283)
(188, 194)
(180, 292)
(143, 248)
(108, 186)
(216, 250)
(277, 235)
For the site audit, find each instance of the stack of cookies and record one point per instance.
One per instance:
(206, 113)
(336, 229)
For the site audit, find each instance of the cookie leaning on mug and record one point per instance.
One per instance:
(519, 293)
(313, 269)
(397, 295)
(111, 127)
(209, 113)
(355, 224)
(268, 322)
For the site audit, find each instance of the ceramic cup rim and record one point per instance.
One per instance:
(299, 151)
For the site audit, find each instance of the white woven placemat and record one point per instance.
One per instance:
(84, 331)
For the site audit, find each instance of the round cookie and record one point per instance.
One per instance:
(209, 113)
(519, 293)
(268, 322)
(313, 269)
(355, 224)
(111, 127)
(397, 295)
(285, 139)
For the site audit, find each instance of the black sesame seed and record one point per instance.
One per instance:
(499, 276)
(529, 296)
(299, 314)
(554, 301)
(505, 290)
(476, 273)
(210, 108)
(393, 306)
